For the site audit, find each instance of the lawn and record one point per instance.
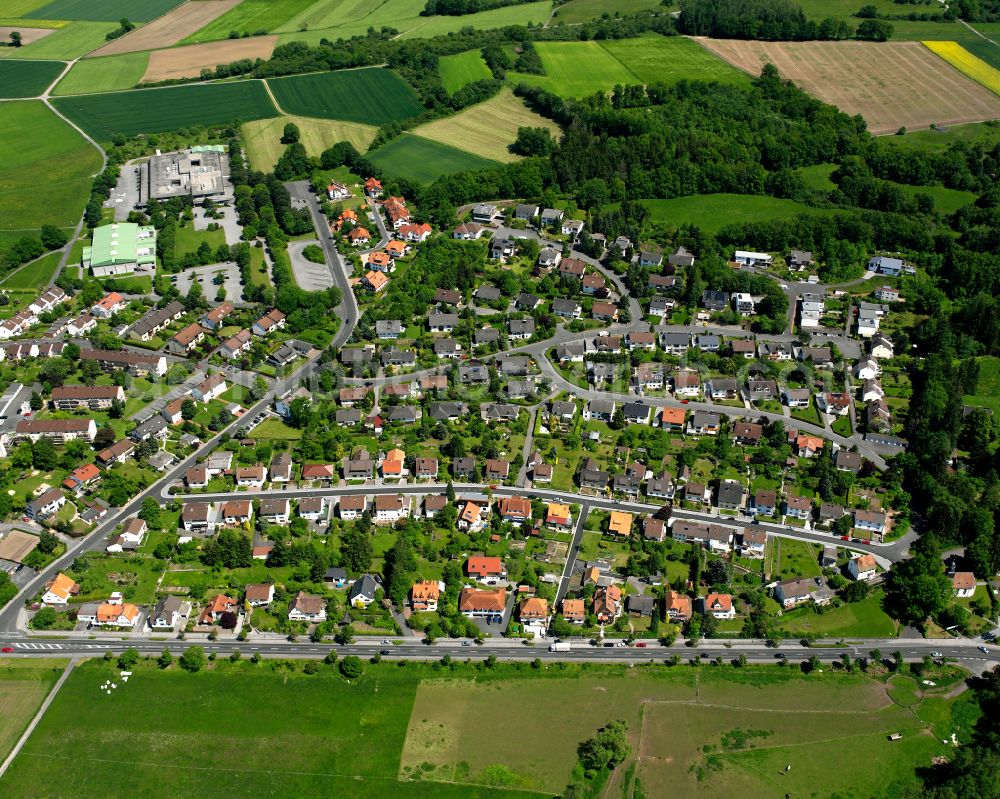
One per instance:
(104, 10)
(809, 415)
(48, 182)
(842, 426)
(461, 69)
(712, 212)
(27, 78)
(370, 96)
(188, 239)
(988, 389)
(576, 69)
(167, 109)
(250, 16)
(486, 129)
(108, 74)
(262, 137)
(73, 41)
(788, 558)
(34, 275)
(864, 619)
(422, 161)
(277, 429)
(24, 684)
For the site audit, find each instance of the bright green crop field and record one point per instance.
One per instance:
(45, 168)
(106, 74)
(171, 108)
(423, 160)
(250, 16)
(104, 10)
(371, 96)
(75, 40)
(461, 69)
(27, 78)
(712, 212)
(577, 69)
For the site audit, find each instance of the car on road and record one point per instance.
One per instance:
(780, 655)
(936, 655)
(466, 643)
(608, 644)
(383, 651)
(984, 650)
(641, 644)
(7, 649)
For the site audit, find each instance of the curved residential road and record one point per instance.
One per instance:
(889, 552)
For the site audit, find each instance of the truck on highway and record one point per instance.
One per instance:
(560, 646)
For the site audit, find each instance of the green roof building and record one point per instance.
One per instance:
(120, 248)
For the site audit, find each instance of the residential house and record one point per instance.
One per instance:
(678, 606)
(268, 323)
(213, 318)
(307, 607)
(862, 567)
(557, 516)
(753, 541)
(391, 508)
(963, 584)
(704, 423)
(798, 507)
(607, 604)
(424, 595)
(479, 603)
(790, 593)
(764, 502)
(364, 591)
(485, 569)
(259, 595)
(718, 605)
(730, 495)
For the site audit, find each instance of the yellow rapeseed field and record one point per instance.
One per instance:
(966, 62)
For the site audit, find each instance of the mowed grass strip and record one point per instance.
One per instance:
(423, 161)
(487, 128)
(24, 684)
(104, 10)
(45, 168)
(712, 212)
(262, 137)
(171, 108)
(27, 78)
(576, 69)
(967, 63)
(107, 74)
(75, 40)
(462, 69)
(370, 96)
(250, 16)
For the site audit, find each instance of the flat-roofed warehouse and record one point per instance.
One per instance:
(201, 173)
(120, 248)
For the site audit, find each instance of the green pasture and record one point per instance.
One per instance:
(577, 11)
(75, 40)
(250, 16)
(106, 74)
(461, 69)
(712, 212)
(27, 78)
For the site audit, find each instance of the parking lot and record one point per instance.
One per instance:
(309, 276)
(206, 274)
(126, 194)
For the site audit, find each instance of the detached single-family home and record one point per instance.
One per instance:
(862, 567)
(307, 607)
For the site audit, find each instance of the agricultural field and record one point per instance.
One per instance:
(892, 85)
(955, 31)
(946, 200)
(188, 62)
(428, 728)
(263, 145)
(27, 78)
(24, 684)
(486, 129)
(966, 63)
(422, 160)
(370, 96)
(170, 28)
(108, 74)
(28, 35)
(250, 16)
(19, 8)
(846, 9)
(461, 69)
(712, 212)
(576, 69)
(75, 40)
(342, 19)
(171, 108)
(577, 11)
(58, 166)
(104, 10)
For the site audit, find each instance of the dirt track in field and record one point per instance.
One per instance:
(891, 85)
(170, 28)
(188, 62)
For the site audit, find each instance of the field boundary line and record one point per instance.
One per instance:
(16, 750)
(267, 88)
(699, 703)
(623, 64)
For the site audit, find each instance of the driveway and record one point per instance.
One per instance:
(309, 276)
